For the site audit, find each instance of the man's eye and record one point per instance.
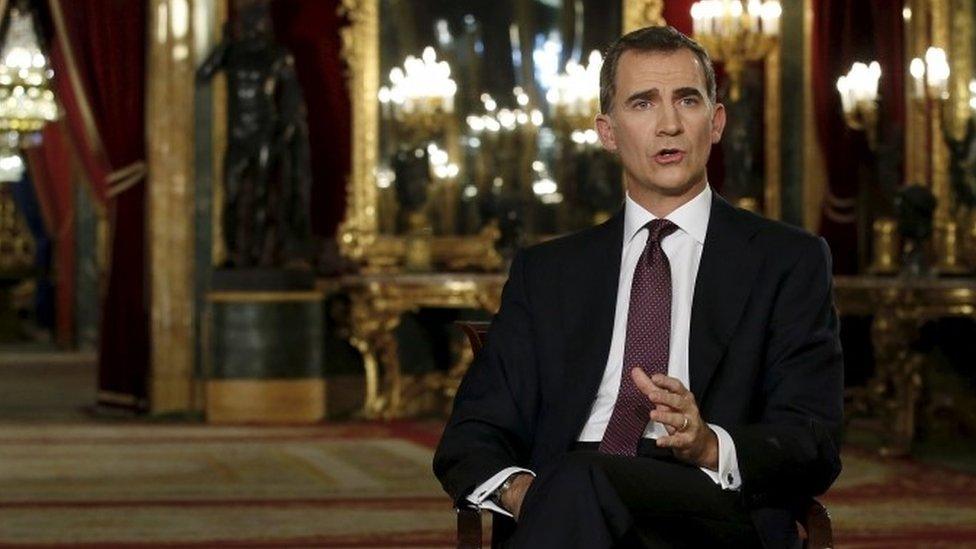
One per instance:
(642, 104)
(689, 101)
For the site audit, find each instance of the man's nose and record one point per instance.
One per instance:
(669, 122)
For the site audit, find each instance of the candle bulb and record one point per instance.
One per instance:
(917, 70)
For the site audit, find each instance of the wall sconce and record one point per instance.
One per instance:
(859, 98)
(736, 34)
(931, 75)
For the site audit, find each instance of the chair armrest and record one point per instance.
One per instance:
(469, 533)
(815, 520)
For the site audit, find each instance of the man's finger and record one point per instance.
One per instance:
(669, 383)
(672, 419)
(670, 400)
(643, 382)
(677, 441)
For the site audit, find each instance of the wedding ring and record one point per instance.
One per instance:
(684, 425)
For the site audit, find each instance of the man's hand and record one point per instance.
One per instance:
(511, 499)
(691, 439)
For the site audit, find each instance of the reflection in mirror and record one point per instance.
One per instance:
(486, 116)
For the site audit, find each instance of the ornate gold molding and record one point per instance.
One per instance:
(642, 13)
(360, 48)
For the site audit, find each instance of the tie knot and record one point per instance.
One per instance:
(660, 228)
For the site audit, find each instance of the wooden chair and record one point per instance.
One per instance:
(813, 521)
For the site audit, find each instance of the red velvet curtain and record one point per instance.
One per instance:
(98, 51)
(50, 169)
(310, 30)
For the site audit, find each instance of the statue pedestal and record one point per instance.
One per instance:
(263, 347)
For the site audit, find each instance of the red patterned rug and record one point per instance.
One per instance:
(348, 485)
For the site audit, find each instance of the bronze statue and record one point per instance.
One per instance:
(266, 167)
(962, 166)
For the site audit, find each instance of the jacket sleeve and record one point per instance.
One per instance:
(793, 450)
(492, 424)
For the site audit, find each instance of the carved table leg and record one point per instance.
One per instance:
(897, 383)
(373, 334)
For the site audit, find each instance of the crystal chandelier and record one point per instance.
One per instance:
(735, 33)
(421, 93)
(575, 99)
(26, 100)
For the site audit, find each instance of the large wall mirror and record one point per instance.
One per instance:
(472, 132)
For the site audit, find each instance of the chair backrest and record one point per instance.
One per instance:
(477, 332)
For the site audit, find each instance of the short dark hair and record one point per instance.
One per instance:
(650, 39)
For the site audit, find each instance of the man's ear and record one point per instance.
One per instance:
(604, 128)
(718, 122)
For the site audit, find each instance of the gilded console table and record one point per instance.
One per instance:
(900, 306)
(378, 301)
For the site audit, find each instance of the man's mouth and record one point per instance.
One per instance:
(669, 156)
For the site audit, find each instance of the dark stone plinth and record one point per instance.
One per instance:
(246, 280)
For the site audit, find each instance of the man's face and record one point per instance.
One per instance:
(661, 123)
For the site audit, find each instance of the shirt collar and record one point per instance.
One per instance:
(691, 217)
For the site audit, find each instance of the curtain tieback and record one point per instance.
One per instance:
(122, 179)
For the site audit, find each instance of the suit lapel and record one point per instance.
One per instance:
(725, 278)
(590, 300)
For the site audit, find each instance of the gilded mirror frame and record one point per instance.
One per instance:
(359, 236)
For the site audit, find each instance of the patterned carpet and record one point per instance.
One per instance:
(201, 486)
(350, 485)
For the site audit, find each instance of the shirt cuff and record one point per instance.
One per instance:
(480, 495)
(727, 476)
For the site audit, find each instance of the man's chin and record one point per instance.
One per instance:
(675, 188)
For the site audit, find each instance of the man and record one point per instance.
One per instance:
(672, 377)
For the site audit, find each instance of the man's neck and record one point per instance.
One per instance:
(662, 205)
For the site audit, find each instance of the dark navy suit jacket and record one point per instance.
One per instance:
(764, 360)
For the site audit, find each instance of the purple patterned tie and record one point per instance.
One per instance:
(648, 342)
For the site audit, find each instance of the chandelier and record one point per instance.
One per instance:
(736, 32)
(26, 100)
(421, 93)
(575, 98)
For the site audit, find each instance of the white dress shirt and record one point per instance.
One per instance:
(683, 249)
